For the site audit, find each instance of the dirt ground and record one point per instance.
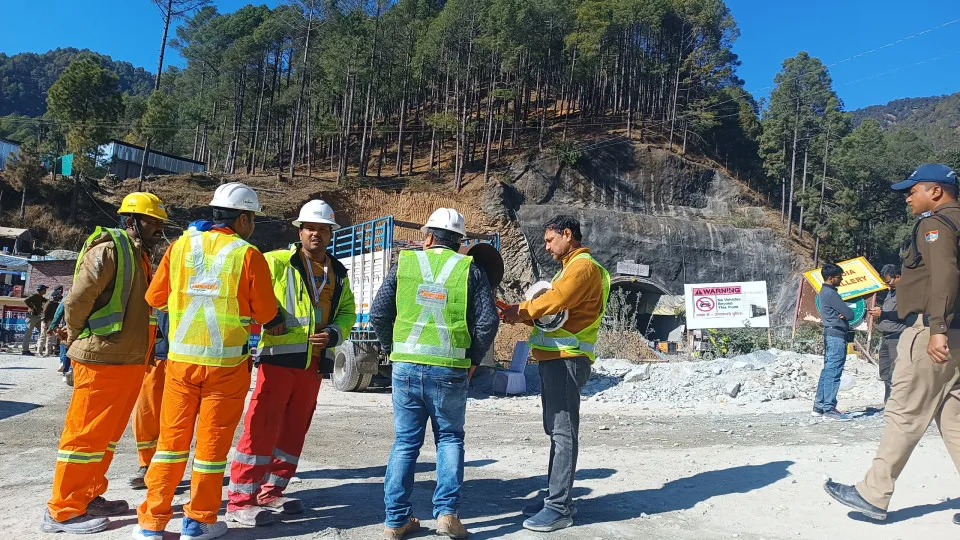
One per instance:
(706, 472)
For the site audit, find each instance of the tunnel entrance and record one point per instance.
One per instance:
(637, 304)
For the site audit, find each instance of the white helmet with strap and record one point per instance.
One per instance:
(317, 211)
(547, 323)
(446, 219)
(237, 196)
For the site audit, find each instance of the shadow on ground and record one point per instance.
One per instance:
(360, 503)
(13, 408)
(680, 494)
(912, 512)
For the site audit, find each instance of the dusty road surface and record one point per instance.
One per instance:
(709, 472)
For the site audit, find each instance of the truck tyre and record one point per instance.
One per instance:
(346, 376)
(364, 382)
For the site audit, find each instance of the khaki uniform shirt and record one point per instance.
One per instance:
(930, 288)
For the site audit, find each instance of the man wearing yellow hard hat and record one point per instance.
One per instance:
(109, 338)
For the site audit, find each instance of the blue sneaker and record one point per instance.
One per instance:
(143, 534)
(548, 520)
(834, 414)
(194, 530)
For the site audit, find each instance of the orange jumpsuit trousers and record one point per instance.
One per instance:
(146, 414)
(211, 398)
(103, 397)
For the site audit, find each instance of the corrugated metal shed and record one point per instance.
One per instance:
(120, 151)
(13, 263)
(7, 147)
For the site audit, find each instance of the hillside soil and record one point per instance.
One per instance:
(708, 472)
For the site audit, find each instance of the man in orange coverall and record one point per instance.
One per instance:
(108, 334)
(213, 284)
(146, 413)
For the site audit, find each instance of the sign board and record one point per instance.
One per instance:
(859, 279)
(14, 324)
(727, 305)
(632, 268)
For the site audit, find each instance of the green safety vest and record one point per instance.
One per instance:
(431, 326)
(109, 319)
(583, 342)
(299, 315)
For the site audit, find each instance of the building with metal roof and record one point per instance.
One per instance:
(124, 159)
(7, 147)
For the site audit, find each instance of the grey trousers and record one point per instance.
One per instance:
(33, 322)
(561, 381)
(886, 360)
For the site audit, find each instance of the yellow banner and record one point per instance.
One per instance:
(859, 278)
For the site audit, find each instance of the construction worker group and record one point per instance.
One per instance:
(172, 347)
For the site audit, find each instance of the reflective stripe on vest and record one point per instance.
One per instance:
(583, 343)
(433, 299)
(207, 287)
(109, 319)
(296, 307)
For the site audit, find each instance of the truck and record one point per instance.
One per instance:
(369, 250)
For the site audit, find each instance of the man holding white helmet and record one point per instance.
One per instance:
(316, 314)
(435, 316)
(568, 315)
(213, 284)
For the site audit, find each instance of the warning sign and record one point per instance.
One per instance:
(727, 305)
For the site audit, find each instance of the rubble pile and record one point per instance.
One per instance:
(760, 376)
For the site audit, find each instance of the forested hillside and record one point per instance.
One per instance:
(26, 77)
(936, 119)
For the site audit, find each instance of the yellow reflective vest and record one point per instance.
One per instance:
(205, 321)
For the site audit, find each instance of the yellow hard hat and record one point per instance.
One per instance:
(143, 203)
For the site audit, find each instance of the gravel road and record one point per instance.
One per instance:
(704, 472)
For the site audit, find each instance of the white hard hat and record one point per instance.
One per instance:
(447, 219)
(547, 323)
(317, 211)
(237, 196)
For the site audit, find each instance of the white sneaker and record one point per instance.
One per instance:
(194, 530)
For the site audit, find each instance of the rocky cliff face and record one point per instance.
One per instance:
(686, 221)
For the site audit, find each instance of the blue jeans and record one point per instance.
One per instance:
(834, 357)
(64, 361)
(422, 392)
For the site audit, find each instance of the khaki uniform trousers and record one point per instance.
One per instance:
(921, 391)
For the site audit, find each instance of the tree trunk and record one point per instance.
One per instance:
(303, 86)
(803, 191)
(156, 87)
(823, 190)
(23, 204)
(76, 197)
(793, 169)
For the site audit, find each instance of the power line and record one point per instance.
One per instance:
(855, 56)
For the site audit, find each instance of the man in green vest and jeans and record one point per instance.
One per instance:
(579, 294)
(435, 315)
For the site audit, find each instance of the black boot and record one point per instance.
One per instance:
(849, 496)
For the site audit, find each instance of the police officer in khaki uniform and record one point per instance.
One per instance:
(925, 388)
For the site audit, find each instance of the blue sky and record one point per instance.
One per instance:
(834, 30)
(771, 30)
